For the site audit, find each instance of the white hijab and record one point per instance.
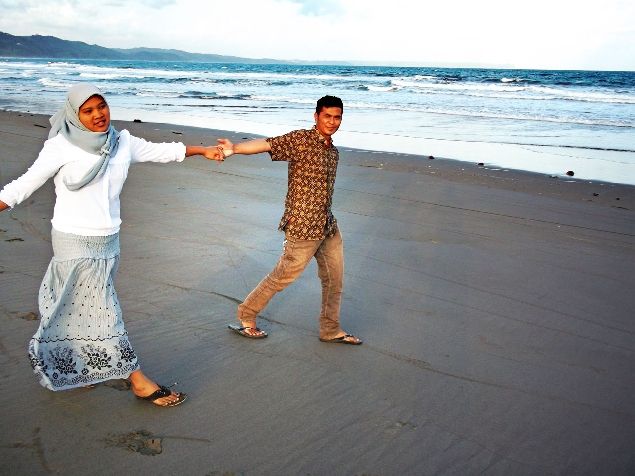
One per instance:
(66, 122)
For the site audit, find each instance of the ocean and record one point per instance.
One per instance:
(548, 122)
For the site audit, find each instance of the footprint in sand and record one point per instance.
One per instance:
(29, 316)
(118, 384)
(141, 441)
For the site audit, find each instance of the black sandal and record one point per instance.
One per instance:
(163, 392)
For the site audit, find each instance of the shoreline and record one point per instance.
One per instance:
(455, 170)
(503, 156)
(540, 159)
(617, 195)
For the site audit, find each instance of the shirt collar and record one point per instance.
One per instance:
(327, 142)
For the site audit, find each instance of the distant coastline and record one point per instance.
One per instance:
(51, 47)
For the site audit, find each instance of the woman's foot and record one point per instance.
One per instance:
(163, 394)
(147, 389)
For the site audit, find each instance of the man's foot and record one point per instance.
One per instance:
(345, 339)
(250, 332)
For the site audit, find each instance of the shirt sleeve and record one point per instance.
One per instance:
(283, 147)
(142, 150)
(45, 166)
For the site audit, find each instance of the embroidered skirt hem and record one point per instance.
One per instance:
(81, 339)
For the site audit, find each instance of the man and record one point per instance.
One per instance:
(309, 225)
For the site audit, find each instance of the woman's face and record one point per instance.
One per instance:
(95, 114)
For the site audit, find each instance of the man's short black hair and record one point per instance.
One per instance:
(329, 101)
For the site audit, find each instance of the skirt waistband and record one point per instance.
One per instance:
(67, 246)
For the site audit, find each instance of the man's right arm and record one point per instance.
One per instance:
(255, 146)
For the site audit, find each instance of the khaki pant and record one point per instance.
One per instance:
(296, 255)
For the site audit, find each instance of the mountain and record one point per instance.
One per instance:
(38, 46)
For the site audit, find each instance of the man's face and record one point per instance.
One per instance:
(95, 114)
(328, 120)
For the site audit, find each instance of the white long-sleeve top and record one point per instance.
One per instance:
(94, 209)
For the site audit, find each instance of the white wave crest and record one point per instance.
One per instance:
(53, 83)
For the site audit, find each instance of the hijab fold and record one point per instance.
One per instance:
(66, 122)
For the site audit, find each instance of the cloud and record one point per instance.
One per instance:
(318, 7)
(157, 3)
(6, 5)
(566, 34)
(154, 4)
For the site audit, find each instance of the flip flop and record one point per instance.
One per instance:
(345, 339)
(164, 392)
(242, 331)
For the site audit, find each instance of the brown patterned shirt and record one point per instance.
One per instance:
(312, 169)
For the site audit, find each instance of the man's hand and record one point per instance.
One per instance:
(213, 153)
(226, 147)
(254, 146)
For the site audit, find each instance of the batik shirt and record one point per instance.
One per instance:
(312, 168)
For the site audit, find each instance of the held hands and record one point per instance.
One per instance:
(213, 153)
(226, 147)
(210, 152)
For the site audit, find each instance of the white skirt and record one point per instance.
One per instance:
(81, 339)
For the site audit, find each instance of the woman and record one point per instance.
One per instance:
(81, 339)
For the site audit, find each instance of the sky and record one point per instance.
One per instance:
(541, 34)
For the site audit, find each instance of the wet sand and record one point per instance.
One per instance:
(496, 309)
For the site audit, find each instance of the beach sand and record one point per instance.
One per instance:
(496, 309)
